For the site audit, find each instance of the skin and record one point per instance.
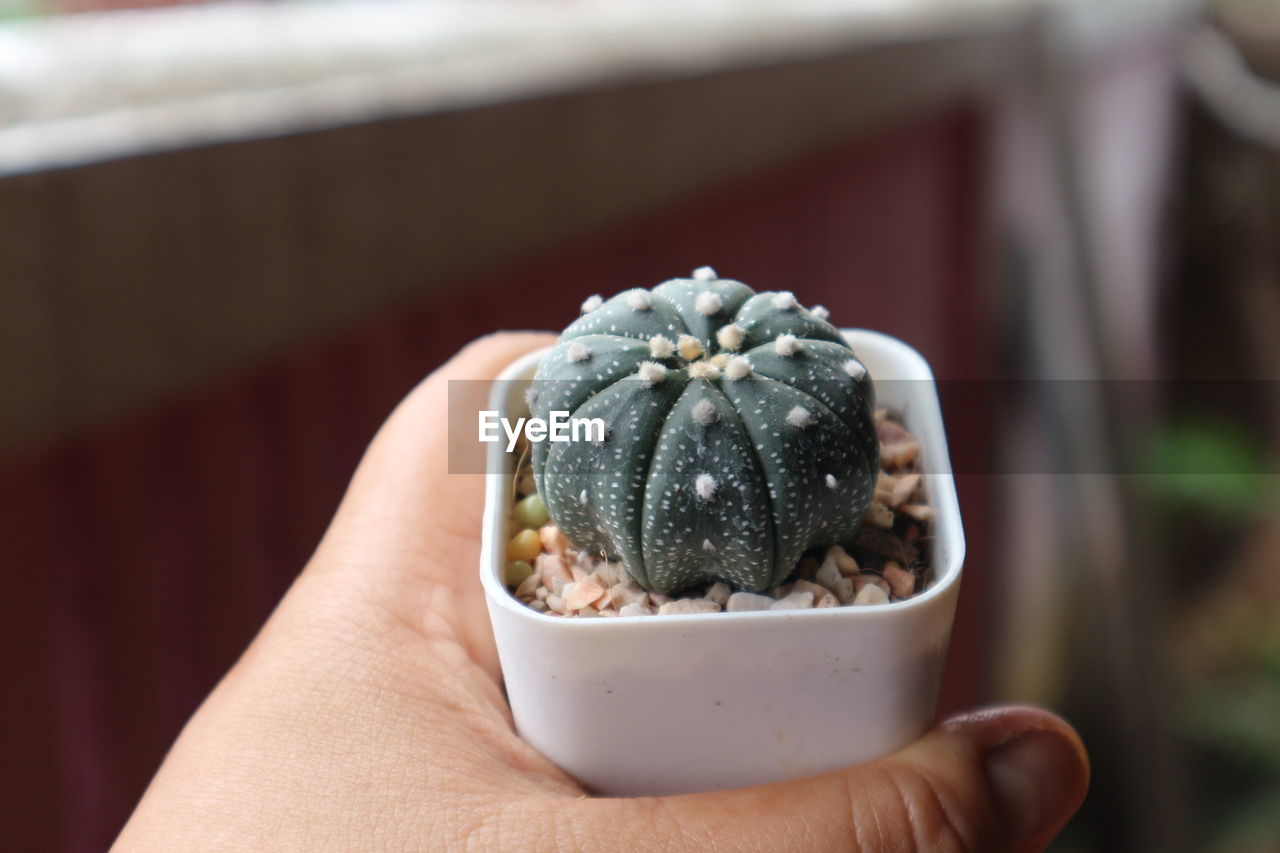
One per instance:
(368, 714)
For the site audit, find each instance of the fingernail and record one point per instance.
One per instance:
(1034, 779)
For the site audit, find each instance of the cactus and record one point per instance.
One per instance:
(740, 433)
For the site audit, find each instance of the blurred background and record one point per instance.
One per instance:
(233, 235)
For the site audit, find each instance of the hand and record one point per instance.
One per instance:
(368, 714)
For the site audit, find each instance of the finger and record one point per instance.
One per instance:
(408, 530)
(996, 780)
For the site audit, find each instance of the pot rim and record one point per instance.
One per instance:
(909, 364)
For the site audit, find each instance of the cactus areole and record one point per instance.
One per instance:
(740, 433)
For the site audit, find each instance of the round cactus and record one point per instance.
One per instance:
(740, 433)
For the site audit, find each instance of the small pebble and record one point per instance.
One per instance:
(627, 592)
(878, 515)
(556, 603)
(525, 545)
(682, 606)
(635, 609)
(719, 593)
(867, 579)
(815, 590)
(780, 591)
(608, 573)
(894, 456)
(657, 599)
(529, 587)
(871, 594)
(552, 540)
(538, 606)
(517, 572)
(551, 567)
(847, 564)
(531, 512)
(588, 613)
(827, 600)
(794, 601)
(905, 488)
(741, 602)
(901, 582)
(582, 594)
(920, 512)
(845, 590)
(541, 592)
(526, 485)
(828, 573)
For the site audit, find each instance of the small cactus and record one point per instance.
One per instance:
(740, 433)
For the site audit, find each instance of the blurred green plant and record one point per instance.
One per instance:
(1211, 467)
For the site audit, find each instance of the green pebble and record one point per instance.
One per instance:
(532, 512)
(517, 572)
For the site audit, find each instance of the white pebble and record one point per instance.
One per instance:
(651, 373)
(708, 303)
(660, 346)
(578, 351)
(705, 274)
(794, 601)
(741, 602)
(855, 369)
(737, 368)
(704, 412)
(639, 300)
(683, 606)
(591, 303)
(784, 301)
(871, 594)
(828, 573)
(800, 417)
(635, 609)
(705, 486)
(730, 337)
(786, 345)
(718, 592)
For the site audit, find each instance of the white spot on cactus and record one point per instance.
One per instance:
(705, 274)
(855, 369)
(786, 345)
(591, 303)
(704, 370)
(831, 481)
(660, 346)
(784, 301)
(800, 417)
(640, 300)
(730, 337)
(708, 547)
(820, 312)
(531, 397)
(708, 303)
(651, 373)
(689, 347)
(582, 498)
(704, 412)
(578, 351)
(737, 368)
(705, 486)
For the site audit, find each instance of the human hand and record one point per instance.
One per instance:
(368, 714)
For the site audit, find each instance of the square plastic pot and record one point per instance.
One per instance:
(674, 704)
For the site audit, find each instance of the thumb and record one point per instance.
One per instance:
(994, 780)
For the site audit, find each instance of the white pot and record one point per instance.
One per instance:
(674, 704)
